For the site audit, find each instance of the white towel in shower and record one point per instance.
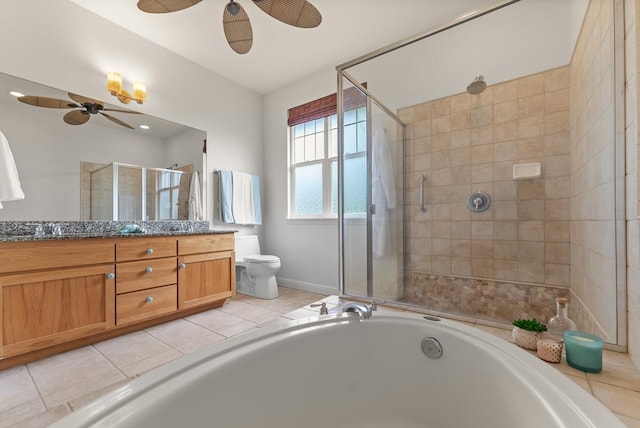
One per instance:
(195, 202)
(383, 191)
(242, 195)
(10, 188)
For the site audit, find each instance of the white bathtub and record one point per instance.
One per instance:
(341, 370)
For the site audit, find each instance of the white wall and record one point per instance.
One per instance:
(64, 46)
(308, 249)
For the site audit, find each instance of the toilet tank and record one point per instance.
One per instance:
(247, 245)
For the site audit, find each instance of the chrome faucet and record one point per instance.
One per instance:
(365, 311)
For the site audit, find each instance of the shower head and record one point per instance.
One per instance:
(477, 86)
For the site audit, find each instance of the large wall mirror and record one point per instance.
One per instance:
(55, 159)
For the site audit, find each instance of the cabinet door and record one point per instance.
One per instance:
(206, 278)
(47, 308)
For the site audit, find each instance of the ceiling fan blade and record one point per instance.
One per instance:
(121, 111)
(83, 100)
(237, 28)
(118, 121)
(46, 102)
(76, 117)
(299, 13)
(164, 6)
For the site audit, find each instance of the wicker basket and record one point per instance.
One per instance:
(550, 349)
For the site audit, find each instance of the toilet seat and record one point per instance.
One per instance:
(261, 258)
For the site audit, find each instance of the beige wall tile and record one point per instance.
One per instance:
(504, 190)
(422, 112)
(441, 107)
(556, 122)
(461, 266)
(440, 247)
(555, 274)
(461, 175)
(556, 209)
(482, 154)
(530, 127)
(461, 229)
(482, 116)
(505, 230)
(441, 177)
(422, 163)
(422, 145)
(556, 79)
(441, 159)
(461, 247)
(506, 270)
(556, 166)
(460, 120)
(482, 268)
(460, 157)
(557, 252)
(555, 188)
(531, 106)
(530, 85)
(530, 271)
(507, 91)
(557, 231)
(440, 125)
(531, 189)
(531, 230)
(505, 210)
(482, 173)
(481, 135)
(556, 144)
(529, 148)
(441, 142)
(619, 400)
(461, 138)
(422, 128)
(441, 264)
(482, 249)
(460, 103)
(505, 151)
(532, 210)
(506, 111)
(482, 230)
(505, 131)
(505, 250)
(556, 101)
(441, 229)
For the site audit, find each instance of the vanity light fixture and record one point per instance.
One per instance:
(16, 94)
(114, 85)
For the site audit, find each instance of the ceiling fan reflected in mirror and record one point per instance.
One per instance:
(237, 28)
(85, 108)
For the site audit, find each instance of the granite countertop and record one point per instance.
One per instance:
(99, 235)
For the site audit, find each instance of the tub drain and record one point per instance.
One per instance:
(431, 347)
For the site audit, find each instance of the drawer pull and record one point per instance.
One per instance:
(149, 269)
(149, 299)
(182, 266)
(111, 275)
(149, 250)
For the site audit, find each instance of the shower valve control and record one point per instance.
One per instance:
(478, 201)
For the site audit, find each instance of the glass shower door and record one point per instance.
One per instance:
(370, 197)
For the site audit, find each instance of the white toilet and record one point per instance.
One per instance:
(255, 273)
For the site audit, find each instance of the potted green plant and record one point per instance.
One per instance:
(525, 333)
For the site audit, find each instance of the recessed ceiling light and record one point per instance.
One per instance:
(16, 93)
(144, 126)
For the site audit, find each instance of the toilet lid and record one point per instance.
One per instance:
(261, 258)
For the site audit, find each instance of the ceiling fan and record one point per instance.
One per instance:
(85, 108)
(237, 28)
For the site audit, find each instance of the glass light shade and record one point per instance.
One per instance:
(114, 82)
(139, 91)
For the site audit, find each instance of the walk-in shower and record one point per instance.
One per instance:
(489, 202)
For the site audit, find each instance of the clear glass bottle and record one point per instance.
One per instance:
(559, 323)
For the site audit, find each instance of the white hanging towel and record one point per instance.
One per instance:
(242, 198)
(10, 188)
(383, 191)
(195, 202)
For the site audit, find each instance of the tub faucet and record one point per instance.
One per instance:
(365, 311)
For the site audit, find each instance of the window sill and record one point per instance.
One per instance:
(312, 220)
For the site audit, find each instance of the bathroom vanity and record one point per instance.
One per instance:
(58, 293)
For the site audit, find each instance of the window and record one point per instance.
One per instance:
(313, 167)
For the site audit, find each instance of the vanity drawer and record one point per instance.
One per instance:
(133, 276)
(140, 248)
(197, 244)
(140, 305)
(29, 256)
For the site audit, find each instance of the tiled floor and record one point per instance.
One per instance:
(39, 393)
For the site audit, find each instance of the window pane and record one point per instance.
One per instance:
(334, 187)
(165, 180)
(362, 136)
(320, 145)
(349, 117)
(310, 127)
(355, 184)
(320, 125)
(308, 190)
(164, 205)
(309, 148)
(350, 139)
(174, 205)
(333, 143)
(333, 121)
(362, 114)
(298, 150)
(298, 130)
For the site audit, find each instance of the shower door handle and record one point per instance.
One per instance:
(421, 180)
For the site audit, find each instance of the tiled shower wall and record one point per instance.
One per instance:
(520, 245)
(592, 153)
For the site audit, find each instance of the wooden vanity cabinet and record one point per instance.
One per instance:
(54, 292)
(206, 269)
(56, 295)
